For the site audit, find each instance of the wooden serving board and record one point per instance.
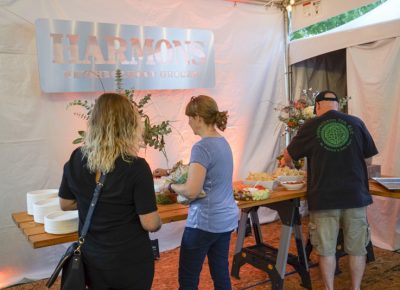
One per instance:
(35, 234)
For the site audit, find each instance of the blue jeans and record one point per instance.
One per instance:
(196, 244)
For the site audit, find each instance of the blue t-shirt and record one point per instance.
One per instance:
(217, 212)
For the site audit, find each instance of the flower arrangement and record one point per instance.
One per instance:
(298, 111)
(153, 134)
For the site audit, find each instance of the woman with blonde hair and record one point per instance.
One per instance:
(212, 218)
(117, 252)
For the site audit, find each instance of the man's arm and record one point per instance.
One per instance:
(288, 159)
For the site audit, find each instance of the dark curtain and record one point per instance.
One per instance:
(323, 72)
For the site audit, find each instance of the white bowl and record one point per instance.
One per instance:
(271, 184)
(293, 185)
(285, 178)
(43, 207)
(61, 222)
(36, 195)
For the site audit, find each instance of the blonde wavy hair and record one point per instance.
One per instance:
(114, 129)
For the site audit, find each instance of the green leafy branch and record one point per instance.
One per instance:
(153, 135)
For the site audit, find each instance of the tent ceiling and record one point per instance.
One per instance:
(259, 2)
(309, 12)
(380, 23)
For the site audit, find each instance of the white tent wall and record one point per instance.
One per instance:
(373, 72)
(37, 131)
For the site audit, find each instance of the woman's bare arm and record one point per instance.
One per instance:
(68, 204)
(151, 222)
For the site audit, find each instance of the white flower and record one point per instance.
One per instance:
(309, 112)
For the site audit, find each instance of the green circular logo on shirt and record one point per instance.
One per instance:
(335, 135)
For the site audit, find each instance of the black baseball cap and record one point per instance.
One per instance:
(321, 97)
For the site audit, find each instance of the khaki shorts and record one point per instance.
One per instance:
(324, 228)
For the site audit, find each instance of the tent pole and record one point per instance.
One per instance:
(288, 68)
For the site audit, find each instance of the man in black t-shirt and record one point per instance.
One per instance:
(336, 146)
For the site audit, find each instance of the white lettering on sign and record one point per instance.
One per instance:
(151, 52)
(73, 55)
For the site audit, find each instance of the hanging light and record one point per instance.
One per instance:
(292, 2)
(289, 8)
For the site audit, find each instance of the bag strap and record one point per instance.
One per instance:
(93, 203)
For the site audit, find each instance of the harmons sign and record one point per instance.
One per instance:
(75, 55)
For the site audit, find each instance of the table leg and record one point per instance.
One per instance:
(241, 232)
(302, 266)
(256, 226)
(290, 217)
(268, 258)
(237, 259)
(283, 250)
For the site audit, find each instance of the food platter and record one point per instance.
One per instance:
(270, 184)
(293, 185)
(285, 178)
(243, 192)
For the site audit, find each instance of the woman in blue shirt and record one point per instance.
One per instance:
(211, 219)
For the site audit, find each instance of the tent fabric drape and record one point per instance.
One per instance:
(373, 72)
(37, 131)
(326, 71)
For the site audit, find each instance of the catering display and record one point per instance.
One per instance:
(245, 192)
(261, 178)
(258, 185)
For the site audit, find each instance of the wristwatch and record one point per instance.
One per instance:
(170, 188)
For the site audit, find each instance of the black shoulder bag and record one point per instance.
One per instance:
(71, 264)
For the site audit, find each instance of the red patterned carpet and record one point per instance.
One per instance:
(384, 273)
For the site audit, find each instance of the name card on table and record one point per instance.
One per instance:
(77, 56)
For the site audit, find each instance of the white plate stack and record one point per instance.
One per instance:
(36, 195)
(43, 207)
(61, 222)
